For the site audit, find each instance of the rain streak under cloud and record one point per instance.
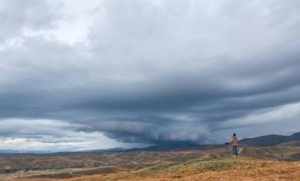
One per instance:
(101, 74)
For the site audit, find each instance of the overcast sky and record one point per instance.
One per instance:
(80, 75)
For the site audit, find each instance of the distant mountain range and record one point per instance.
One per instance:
(271, 140)
(267, 140)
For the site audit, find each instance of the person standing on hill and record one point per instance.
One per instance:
(235, 144)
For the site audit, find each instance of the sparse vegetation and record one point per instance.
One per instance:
(256, 163)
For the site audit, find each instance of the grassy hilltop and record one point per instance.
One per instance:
(255, 163)
(197, 169)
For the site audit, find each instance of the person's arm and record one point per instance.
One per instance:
(231, 141)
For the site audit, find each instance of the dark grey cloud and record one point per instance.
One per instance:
(150, 71)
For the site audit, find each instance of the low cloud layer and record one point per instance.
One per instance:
(53, 136)
(128, 73)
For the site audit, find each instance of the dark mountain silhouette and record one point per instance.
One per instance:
(267, 140)
(295, 137)
(271, 140)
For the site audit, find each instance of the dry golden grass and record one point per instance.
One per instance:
(224, 169)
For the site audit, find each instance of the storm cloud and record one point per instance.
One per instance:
(112, 73)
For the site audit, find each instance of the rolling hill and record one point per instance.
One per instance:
(271, 140)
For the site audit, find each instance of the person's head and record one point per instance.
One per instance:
(234, 135)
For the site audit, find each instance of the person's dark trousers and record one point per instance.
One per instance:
(235, 150)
